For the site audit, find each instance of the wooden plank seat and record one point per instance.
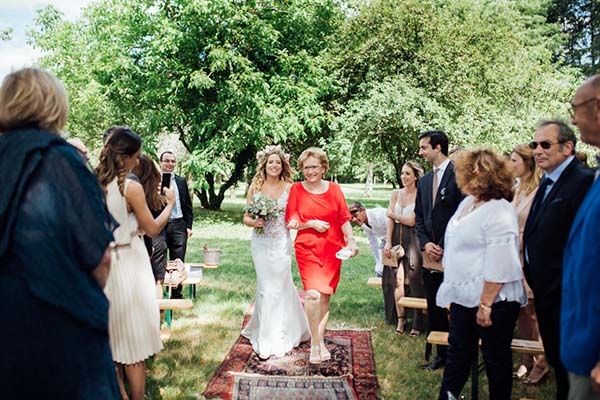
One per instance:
(175, 304)
(168, 305)
(374, 281)
(517, 345)
(413, 302)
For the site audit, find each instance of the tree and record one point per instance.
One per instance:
(226, 76)
(579, 20)
(477, 69)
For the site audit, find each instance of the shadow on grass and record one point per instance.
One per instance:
(202, 337)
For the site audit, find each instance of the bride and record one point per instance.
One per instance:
(278, 323)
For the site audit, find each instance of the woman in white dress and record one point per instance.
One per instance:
(134, 319)
(401, 222)
(278, 323)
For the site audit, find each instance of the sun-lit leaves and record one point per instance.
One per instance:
(226, 76)
(479, 70)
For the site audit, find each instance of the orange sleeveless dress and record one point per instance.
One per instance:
(315, 251)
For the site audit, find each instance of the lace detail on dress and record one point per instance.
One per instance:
(275, 228)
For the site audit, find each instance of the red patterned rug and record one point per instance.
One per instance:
(352, 365)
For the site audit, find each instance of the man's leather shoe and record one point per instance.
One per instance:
(437, 363)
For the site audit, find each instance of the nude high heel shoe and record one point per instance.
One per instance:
(315, 355)
(325, 354)
(401, 325)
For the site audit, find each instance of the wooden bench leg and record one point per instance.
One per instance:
(168, 315)
(192, 291)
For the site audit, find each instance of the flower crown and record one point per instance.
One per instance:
(272, 149)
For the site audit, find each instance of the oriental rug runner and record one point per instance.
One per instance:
(350, 374)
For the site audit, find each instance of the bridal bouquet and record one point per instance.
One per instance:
(263, 207)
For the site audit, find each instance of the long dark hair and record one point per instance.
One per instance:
(122, 142)
(150, 178)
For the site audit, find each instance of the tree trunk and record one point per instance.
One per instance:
(369, 182)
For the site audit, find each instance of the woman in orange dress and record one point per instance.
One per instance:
(317, 209)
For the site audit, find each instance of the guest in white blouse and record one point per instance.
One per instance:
(483, 279)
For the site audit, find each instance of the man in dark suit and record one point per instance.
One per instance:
(437, 200)
(554, 207)
(179, 228)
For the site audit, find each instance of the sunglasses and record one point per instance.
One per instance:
(354, 212)
(545, 144)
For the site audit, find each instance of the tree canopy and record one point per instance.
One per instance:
(360, 78)
(480, 70)
(226, 76)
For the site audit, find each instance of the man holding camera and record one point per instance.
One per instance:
(374, 223)
(179, 228)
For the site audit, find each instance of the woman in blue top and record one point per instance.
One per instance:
(55, 232)
(483, 279)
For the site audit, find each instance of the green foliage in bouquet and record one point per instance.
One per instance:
(263, 207)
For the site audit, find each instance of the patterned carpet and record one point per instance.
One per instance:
(350, 374)
(292, 388)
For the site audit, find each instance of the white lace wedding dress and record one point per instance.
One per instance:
(278, 323)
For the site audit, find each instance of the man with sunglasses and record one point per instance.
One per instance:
(580, 352)
(555, 204)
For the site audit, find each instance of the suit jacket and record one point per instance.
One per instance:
(580, 291)
(185, 201)
(431, 220)
(546, 233)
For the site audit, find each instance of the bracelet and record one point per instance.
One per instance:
(486, 308)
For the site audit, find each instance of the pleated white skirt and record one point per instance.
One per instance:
(134, 317)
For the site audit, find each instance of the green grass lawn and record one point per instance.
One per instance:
(201, 337)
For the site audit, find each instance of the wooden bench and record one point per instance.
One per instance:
(168, 305)
(192, 281)
(413, 302)
(374, 281)
(175, 304)
(517, 345)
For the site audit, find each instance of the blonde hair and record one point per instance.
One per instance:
(261, 174)
(529, 183)
(416, 167)
(317, 153)
(33, 97)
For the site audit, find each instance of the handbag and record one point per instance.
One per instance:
(430, 263)
(396, 253)
(175, 273)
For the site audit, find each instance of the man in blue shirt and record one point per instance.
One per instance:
(580, 309)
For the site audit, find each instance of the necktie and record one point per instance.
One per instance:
(540, 195)
(434, 186)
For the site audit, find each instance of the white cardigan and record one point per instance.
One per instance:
(481, 246)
